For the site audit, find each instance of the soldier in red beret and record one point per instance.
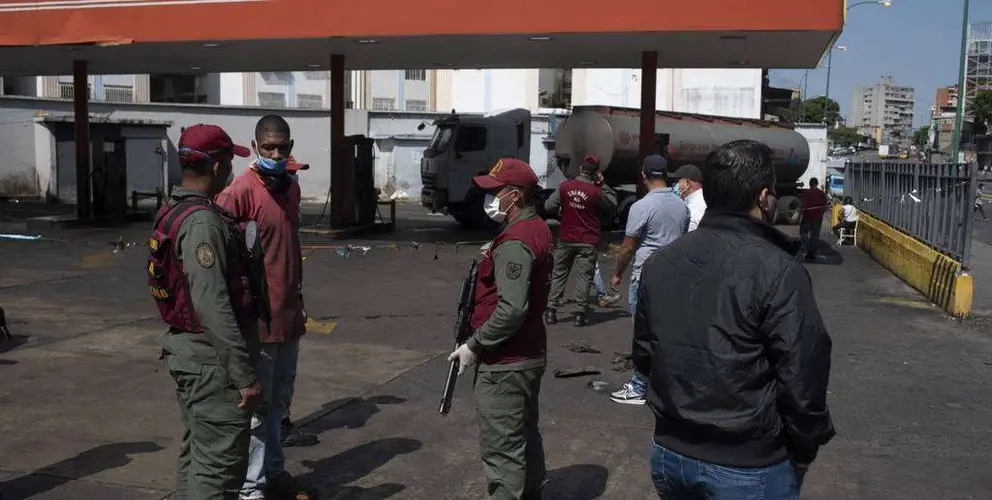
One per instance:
(510, 340)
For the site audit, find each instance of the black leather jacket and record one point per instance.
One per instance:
(729, 334)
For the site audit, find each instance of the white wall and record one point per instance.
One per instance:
(232, 90)
(724, 92)
(616, 87)
(26, 153)
(487, 90)
(816, 136)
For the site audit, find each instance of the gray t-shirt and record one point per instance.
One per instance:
(657, 219)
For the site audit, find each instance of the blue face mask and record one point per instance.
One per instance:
(677, 190)
(269, 166)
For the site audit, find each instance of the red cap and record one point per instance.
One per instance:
(292, 165)
(205, 139)
(507, 172)
(592, 160)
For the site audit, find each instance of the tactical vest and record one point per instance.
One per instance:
(579, 212)
(531, 341)
(166, 280)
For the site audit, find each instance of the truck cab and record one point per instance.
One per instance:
(462, 147)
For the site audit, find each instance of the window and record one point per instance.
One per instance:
(177, 88)
(416, 105)
(309, 101)
(317, 75)
(469, 139)
(272, 99)
(419, 75)
(118, 93)
(383, 104)
(65, 90)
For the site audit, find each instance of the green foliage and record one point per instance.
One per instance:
(981, 109)
(817, 110)
(921, 137)
(843, 136)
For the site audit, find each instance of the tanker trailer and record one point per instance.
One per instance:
(614, 134)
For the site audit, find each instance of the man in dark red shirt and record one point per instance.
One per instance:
(268, 194)
(814, 205)
(582, 201)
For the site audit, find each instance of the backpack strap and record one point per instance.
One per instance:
(171, 219)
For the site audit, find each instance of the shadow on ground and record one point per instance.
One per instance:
(826, 254)
(577, 482)
(349, 413)
(83, 465)
(332, 477)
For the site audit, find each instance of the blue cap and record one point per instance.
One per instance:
(655, 165)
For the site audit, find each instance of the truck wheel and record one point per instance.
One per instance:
(789, 210)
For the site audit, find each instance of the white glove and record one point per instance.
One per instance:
(465, 357)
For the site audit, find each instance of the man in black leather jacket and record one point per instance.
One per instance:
(738, 357)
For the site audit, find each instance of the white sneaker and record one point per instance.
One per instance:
(628, 395)
(255, 495)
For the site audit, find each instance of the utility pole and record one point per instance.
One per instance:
(959, 111)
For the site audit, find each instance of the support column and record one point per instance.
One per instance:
(81, 123)
(649, 93)
(339, 154)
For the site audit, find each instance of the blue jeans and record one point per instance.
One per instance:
(597, 281)
(678, 477)
(276, 370)
(635, 280)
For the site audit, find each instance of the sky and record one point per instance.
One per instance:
(917, 42)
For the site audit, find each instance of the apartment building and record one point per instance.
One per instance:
(726, 92)
(884, 111)
(405, 90)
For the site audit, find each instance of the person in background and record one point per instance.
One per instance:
(848, 217)
(200, 276)
(689, 186)
(510, 340)
(736, 352)
(268, 195)
(582, 201)
(656, 220)
(978, 201)
(815, 204)
(606, 297)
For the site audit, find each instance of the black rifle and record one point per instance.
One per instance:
(463, 330)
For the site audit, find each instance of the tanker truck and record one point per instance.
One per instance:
(614, 134)
(464, 146)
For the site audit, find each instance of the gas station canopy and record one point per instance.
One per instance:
(42, 37)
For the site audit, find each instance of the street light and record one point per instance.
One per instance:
(830, 65)
(883, 3)
(826, 102)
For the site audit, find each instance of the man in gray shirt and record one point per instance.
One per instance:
(657, 219)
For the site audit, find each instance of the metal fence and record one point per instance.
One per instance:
(931, 202)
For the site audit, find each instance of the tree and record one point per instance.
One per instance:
(922, 137)
(981, 109)
(810, 111)
(844, 136)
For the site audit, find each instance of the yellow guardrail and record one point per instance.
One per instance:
(935, 275)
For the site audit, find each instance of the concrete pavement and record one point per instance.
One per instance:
(88, 412)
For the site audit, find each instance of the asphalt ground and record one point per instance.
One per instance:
(88, 412)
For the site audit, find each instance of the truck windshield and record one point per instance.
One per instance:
(441, 138)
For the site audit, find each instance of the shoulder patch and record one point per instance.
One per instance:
(205, 255)
(513, 270)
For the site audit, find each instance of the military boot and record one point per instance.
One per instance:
(550, 317)
(579, 320)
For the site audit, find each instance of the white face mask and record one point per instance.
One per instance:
(493, 209)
